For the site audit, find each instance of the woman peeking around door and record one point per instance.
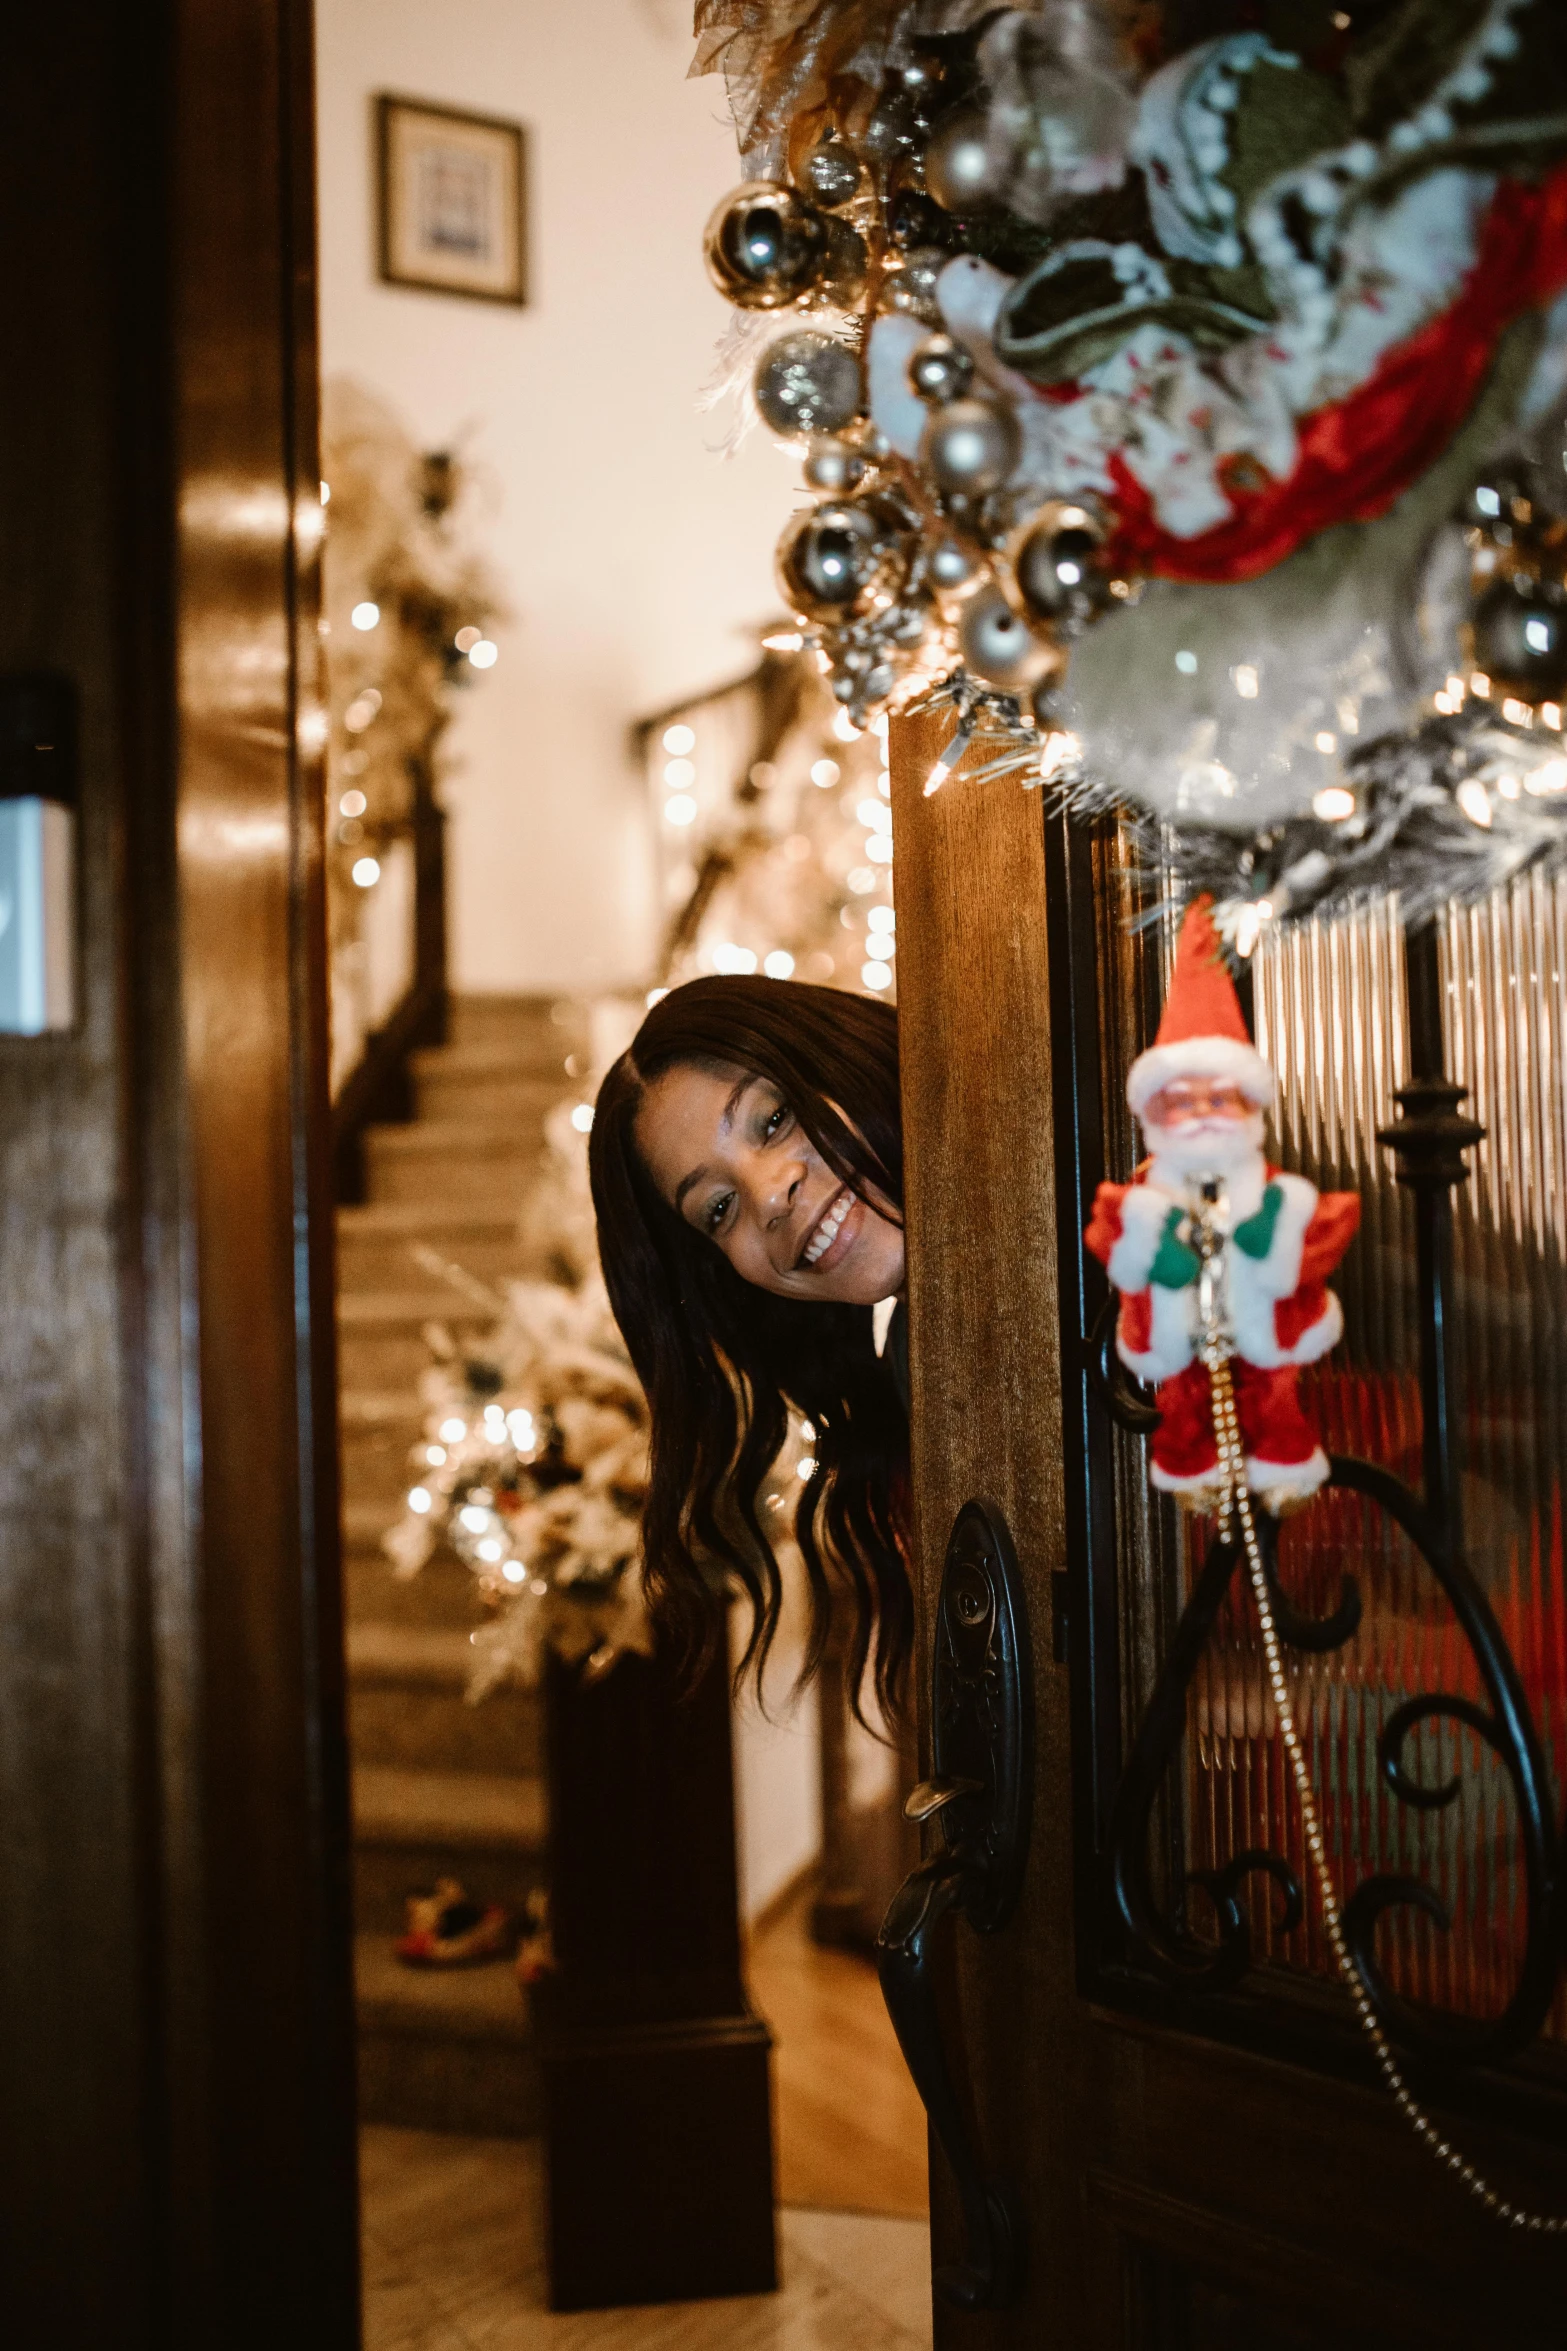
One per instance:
(747, 1169)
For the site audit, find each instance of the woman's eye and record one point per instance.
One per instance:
(718, 1210)
(775, 1122)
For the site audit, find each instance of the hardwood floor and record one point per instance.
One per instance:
(452, 2262)
(849, 2126)
(451, 2226)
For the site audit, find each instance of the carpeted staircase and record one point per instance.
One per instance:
(440, 1787)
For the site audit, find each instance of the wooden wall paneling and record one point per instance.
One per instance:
(175, 2014)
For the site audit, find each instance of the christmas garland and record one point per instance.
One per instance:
(1182, 390)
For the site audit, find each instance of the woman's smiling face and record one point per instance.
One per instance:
(731, 1158)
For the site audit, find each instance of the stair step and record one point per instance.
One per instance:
(412, 1827)
(408, 1709)
(522, 1020)
(491, 1088)
(448, 1162)
(443, 2049)
(380, 1422)
(376, 1245)
(465, 1811)
(441, 1595)
(381, 1334)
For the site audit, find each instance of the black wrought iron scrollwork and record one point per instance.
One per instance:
(979, 1796)
(1429, 1140)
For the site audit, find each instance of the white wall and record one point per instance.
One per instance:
(633, 559)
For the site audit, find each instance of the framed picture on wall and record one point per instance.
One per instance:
(453, 201)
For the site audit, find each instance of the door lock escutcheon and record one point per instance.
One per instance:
(979, 1796)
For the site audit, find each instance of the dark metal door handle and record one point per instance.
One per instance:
(979, 1796)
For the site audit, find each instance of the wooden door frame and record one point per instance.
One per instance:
(176, 2025)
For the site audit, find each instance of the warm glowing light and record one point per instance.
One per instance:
(845, 729)
(435, 1455)
(779, 965)
(366, 615)
(825, 773)
(485, 654)
(1551, 716)
(680, 808)
(1060, 750)
(876, 974)
(1516, 713)
(1455, 687)
(805, 1467)
(491, 1549)
(1475, 801)
(678, 740)
(582, 1117)
(656, 996)
(1480, 684)
(474, 1518)
(361, 711)
(880, 917)
(875, 813)
(878, 848)
(352, 804)
(938, 775)
(1246, 681)
(1333, 803)
(367, 872)
(419, 1499)
(514, 1572)
(467, 638)
(454, 1431)
(519, 1422)
(326, 493)
(862, 879)
(1552, 777)
(729, 958)
(1327, 743)
(679, 774)
(783, 641)
(1447, 704)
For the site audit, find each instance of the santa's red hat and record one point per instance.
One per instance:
(1202, 1031)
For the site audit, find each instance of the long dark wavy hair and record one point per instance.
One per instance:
(722, 1360)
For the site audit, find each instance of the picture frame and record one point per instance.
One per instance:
(452, 201)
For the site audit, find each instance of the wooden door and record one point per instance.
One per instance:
(1196, 2169)
(177, 2151)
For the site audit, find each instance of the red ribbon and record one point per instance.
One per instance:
(1359, 455)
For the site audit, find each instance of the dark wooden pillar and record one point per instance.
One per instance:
(176, 2156)
(656, 2091)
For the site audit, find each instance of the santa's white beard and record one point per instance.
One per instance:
(1223, 1149)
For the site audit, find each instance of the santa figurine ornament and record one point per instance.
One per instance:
(1199, 1093)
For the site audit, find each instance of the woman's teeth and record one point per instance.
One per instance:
(827, 1231)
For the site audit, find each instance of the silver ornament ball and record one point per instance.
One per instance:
(832, 172)
(940, 370)
(809, 383)
(998, 645)
(911, 287)
(834, 466)
(765, 246)
(951, 564)
(971, 446)
(959, 170)
(1054, 561)
(838, 560)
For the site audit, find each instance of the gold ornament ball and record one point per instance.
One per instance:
(971, 446)
(765, 246)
